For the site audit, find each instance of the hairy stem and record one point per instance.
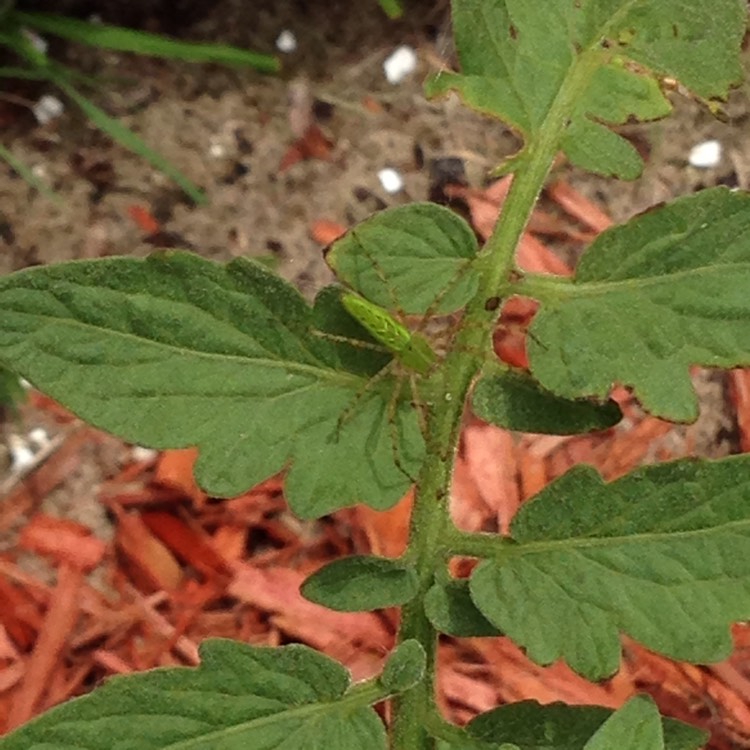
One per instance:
(430, 521)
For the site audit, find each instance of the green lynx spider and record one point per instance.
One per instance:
(412, 350)
(413, 355)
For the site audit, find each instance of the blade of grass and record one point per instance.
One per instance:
(28, 74)
(143, 43)
(26, 173)
(13, 37)
(9, 71)
(126, 137)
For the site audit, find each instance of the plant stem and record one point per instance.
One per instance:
(430, 516)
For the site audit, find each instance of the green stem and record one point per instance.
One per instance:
(364, 694)
(544, 287)
(430, 516)
(480, 544)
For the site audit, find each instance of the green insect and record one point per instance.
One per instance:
(412, 350)
(413, 359)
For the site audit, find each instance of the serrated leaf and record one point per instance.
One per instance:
(532, 726)
(174, 351)
(515, 61)
(515, 401)
(238, 698)
(361, 583)
(450, 609)
(615, 96)
(660, 554)
(635, 726)
(407, 258)
(405, 667)
(665, 291)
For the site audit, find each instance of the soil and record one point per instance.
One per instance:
(229, 130)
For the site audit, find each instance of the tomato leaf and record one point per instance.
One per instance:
(361, 582)
(516, 60)
(175, 351)
(239, 697)
(642, 556)
(651, 298)
(516, 402)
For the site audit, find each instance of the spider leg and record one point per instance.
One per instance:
(392, 417)
(357, 343)
(382, 276)
(367, 386)
(418, 404)
(391, 414)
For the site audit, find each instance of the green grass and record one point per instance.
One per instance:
(35, 64)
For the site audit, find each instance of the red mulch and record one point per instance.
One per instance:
(183, 567)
